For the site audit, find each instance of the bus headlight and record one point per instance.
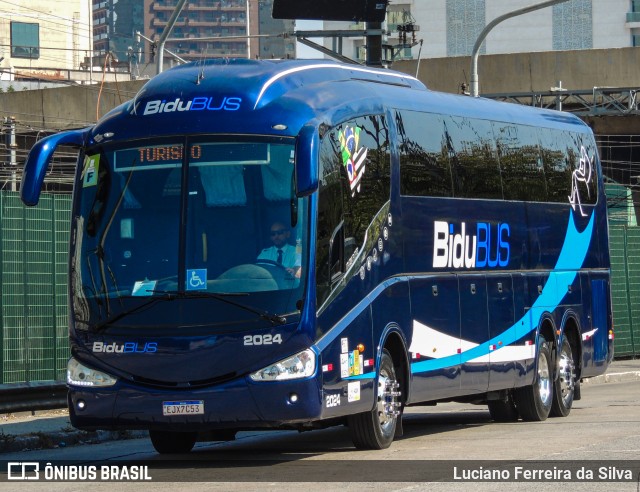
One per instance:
(297, 366)
(80, 375)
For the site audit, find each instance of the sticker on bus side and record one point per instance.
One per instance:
(344, 345)
(344, 365)
(144, 288)
(332, 400)
(353, 391)
(90, 171)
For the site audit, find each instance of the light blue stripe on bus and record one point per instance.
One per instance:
(572, 255)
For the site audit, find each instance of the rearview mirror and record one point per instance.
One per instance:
(307, 148)
(38, 161)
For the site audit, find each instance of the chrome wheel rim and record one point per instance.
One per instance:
(566, 375)
(544, 379)
(388, 401)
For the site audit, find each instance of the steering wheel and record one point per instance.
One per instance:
(286, 273)
(263, 261)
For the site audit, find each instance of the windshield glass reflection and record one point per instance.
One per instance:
(201, 217)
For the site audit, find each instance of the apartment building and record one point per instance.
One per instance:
(115, 24)
(220, 28)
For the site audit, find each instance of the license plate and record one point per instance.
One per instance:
(189, 407)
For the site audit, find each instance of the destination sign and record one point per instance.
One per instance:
(210, 154)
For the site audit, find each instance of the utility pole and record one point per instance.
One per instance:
(374, 44)
(558, 89)
(140, 36)
(10, 125)
(489, 27)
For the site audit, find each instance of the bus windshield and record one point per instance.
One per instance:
(214, 224)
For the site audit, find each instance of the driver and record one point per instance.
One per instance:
(281, 252)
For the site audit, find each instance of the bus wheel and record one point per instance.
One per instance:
(534, 401)
(503, 410)
(166, 442)
(563, 391)
(376, 429)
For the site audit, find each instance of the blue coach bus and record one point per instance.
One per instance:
(296, 244)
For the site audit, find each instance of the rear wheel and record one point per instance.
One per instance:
(534, 401)
(376, 429)
(565, 383)
(166, 442)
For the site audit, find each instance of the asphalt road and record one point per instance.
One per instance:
(601, 435)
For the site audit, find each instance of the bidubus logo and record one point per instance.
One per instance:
(125, 348)
(196, 104)
(23, 470)
(488, 248)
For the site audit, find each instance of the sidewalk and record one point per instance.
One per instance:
(49, 429)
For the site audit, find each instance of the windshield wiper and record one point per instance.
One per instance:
(274, 319)
(171, 295)
(112, 319)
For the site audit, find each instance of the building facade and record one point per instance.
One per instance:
(450, 28)
(41, 40)
(218, 29)
(115, 24)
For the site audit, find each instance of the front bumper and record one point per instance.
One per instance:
(237, 404)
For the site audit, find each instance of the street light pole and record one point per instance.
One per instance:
(489, 27)
(165, 34)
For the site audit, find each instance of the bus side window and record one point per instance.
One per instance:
(557, 168)
(366, 194)
(473, 156)
(355, 181)
(520, 162)
(424, 160)
(329, 213)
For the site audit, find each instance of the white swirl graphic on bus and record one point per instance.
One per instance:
(581, 175)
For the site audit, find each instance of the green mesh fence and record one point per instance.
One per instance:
(625, 289)
(33, 252)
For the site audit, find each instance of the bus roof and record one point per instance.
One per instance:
(267, 97)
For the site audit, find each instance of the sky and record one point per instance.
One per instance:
(303, 51)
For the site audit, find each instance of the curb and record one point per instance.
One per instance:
(62, 439)
(616, 377)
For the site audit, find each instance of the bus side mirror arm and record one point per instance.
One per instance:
(307, 150)
(38, 161)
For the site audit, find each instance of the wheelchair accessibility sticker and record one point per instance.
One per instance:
(197, 279)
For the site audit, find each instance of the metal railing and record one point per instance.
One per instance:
(599, 101)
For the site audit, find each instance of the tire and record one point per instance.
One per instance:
(534, 401)
(166, 442)
(503, 410)
(376, 429)
(565, 383)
